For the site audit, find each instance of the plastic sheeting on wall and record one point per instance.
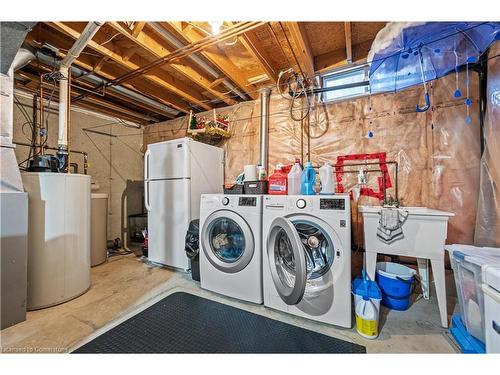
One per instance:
(488, 214)
(437, 152)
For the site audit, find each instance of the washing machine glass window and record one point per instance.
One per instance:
(318, 248)
(287, 260)
(227, 241)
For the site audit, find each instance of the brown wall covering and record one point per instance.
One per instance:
(488, 215)
(438, 154)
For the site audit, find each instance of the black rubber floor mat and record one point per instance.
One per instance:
(185, 323)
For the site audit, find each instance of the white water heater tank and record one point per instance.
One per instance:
(58, 237)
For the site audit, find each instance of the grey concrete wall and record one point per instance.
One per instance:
(112, 160)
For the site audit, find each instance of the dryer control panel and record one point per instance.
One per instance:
(247, 201)
(332, 204)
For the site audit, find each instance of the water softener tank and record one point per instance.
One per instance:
(58, 237)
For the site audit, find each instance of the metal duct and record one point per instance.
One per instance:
(12, 35)
(265, 94)
(10, 176)
(62, 140)
(98, 81)
(178, 44)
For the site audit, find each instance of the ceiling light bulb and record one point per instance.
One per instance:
(216, 26)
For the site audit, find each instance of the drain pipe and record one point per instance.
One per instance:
(62, 139)
(265, 94)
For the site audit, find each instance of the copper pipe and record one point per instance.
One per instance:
(203, 43)
(185, 51)
(83, 153)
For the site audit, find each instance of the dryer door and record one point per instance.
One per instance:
(227, 241)
(286, 260)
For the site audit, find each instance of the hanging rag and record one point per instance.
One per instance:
(390, 224)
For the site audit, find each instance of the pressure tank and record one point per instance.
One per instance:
(58, 237)
(99, 228)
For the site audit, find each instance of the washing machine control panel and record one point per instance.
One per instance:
(225, 201)
(301, 203)
(332, 204)
(247, 201)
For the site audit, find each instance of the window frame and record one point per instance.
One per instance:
(332, 75)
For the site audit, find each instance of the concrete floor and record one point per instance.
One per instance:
(125, 285)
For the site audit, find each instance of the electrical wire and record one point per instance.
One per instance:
(110, 39)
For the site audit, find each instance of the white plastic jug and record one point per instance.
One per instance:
(326, 179)
(367, 317)
(294, 179)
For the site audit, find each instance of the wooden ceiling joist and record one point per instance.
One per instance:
(337, 58)
(158, 50)
(142, 58)
(215, 56)
(251, 44)
(303, 51)
(141, 87)
(348, 42)
(138, 28)
(157, 77)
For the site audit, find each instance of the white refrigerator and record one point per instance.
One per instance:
(176, 173)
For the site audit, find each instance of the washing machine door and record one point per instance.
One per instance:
(287, 260)
(227, 241)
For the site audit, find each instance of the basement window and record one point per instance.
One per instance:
(357, 74)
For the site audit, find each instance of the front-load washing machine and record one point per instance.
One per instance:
(230, 242)
(307, 256)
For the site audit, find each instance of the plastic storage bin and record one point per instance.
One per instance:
(491, 289)
(255, 187)
(457, 253)
(470, 294)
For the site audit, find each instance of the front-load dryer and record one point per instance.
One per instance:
(307, 256)
(230, 242)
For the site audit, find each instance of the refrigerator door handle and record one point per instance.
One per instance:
(146, 164)
(146, 178)
(146, 195)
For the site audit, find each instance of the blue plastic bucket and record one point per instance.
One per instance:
(396, 282)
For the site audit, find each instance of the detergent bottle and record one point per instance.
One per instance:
(294, 177)
(307, 180)
(326, 179)
(278, 182)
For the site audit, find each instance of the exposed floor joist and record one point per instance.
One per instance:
(215, 56)
(303, 51)
(348, 42)
(158, 78)
(143, 40)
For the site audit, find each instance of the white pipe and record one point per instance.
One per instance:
(264, 126)
(62, 138)
(82, 41)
